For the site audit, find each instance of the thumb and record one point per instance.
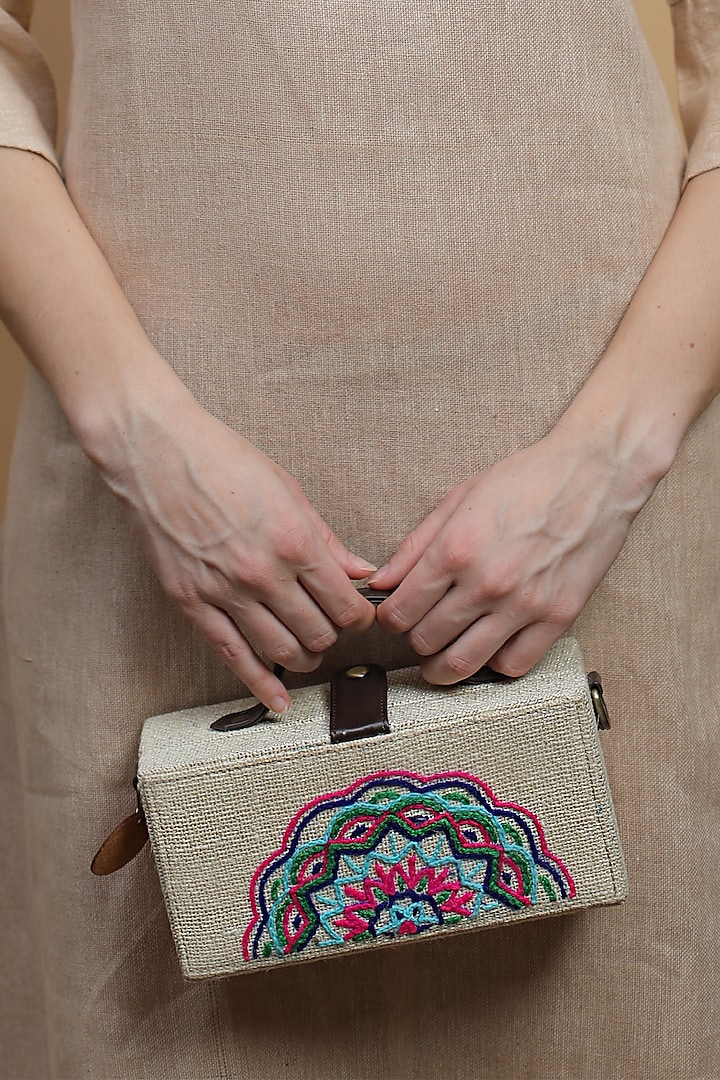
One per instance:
(410, 552)
(354, 566)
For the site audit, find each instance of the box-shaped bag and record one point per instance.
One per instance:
(429, 811)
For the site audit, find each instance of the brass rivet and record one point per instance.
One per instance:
(358, 672)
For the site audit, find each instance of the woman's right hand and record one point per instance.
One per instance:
(232, 538)
(235, 543)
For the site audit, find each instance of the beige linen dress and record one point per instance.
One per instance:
(387, 241)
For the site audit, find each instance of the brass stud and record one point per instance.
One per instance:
(358, 672)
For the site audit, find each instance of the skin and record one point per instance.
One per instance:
(505, 564)
(496, 573)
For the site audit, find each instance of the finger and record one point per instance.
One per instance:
(341, 602)
(303, 553)
(415, 545)
(423, 587)
(224, 637)
(447, 620)
(525, 649)
(281, 641)
(472, 649)
(355, 566)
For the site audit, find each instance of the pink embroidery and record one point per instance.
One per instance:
(398, 853)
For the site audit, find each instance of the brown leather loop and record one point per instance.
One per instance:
(358, 703)
(235, 721)
(122, 845)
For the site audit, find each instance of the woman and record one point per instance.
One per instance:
(410, 279)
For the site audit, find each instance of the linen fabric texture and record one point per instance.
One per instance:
(483, 804)
(387, 242)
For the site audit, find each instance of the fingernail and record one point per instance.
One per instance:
(363, 564)
(279, 704)
(378, 573)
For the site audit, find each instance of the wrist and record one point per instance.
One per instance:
(636, 437)
(137, 393)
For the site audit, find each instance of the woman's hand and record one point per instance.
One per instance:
(506, 562)
(504, 565)
(235, 544)
(232, 538)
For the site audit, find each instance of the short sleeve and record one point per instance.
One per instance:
(696, 24)
(28, 111)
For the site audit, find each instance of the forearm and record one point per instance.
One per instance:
(232, 538)
(662, 367)
(506, 562)
(64, 306)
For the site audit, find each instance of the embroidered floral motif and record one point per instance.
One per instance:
(396, 854)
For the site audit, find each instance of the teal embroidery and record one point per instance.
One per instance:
(398, 854)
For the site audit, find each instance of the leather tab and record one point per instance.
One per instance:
(358, 703)
(122, 845)
(235, 721)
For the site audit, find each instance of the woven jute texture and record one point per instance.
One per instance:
(217, 803)
(387, 241)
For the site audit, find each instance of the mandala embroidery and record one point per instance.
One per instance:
(396, 854)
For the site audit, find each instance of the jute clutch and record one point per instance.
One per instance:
(369, 815)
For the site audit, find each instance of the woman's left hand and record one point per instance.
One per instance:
(505, 564)
(508, 559)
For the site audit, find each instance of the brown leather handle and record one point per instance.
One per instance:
(375, 596)
(247, 717)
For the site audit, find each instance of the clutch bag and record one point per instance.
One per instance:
(377, 810)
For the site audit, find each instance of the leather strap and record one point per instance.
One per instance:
(358, 703)
(235, 721)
